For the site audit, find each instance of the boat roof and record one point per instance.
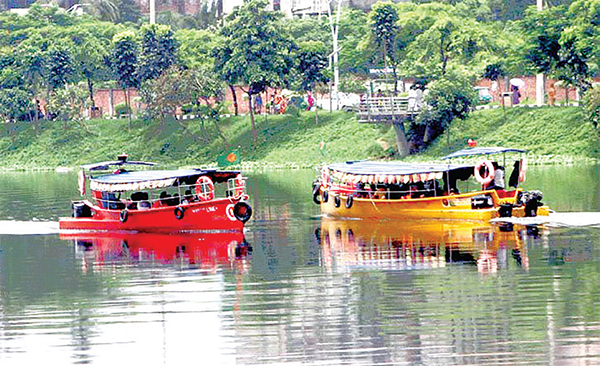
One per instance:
(482, 151)
(388, 168)
(152, 179)
(104, 165)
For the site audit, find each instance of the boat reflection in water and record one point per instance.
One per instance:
(423, 244)
(203, 250)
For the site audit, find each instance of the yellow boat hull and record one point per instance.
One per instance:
(456, 207)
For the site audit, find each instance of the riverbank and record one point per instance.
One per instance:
(552, 135)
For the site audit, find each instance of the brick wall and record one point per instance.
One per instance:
(102, 98)
(528, 91)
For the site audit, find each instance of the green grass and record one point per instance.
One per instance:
(552, 135)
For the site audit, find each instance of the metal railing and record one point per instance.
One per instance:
(376, 109)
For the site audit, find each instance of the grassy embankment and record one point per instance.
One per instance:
(553, 135)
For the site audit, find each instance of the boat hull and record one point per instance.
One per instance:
(456, 207)
(212, 216)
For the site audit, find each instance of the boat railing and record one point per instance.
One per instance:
(180, 195)
(387, 194)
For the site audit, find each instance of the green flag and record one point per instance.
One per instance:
(231, 157)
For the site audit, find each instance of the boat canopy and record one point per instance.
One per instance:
(482, 151)
(380, 167)
(396, 172)
(105, 164)
(153, 179)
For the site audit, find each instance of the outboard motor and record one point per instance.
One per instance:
(532, 200)
(80, 209)
(505, 210)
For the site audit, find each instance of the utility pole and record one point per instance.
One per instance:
(540, 79)
(334, 36)
(152, 11)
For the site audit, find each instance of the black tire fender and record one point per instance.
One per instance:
(123, 215)
(316, 193)
(349, 201)
(179, 212)
(242, 211)
(337, 201)
(325, 196)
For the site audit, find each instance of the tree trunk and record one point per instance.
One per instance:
(91, 91)
(235, 102)
(401, 142)
(254, 133)
(128, 108)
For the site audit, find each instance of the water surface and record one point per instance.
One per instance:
(300, 289)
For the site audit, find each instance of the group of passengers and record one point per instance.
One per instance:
(141, 201)
(430, 188)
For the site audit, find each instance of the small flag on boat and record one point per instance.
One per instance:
(231, 157)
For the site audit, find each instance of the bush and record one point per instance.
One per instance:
(447, 99)
(591, 106)
(121, 109)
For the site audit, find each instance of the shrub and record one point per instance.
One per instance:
(591, 105)
(121, 109)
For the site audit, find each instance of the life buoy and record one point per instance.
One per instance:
(179, 213)
(488, 174)
(123, 215)
(242, 211)
(349, 201)
(204, 189)
(240, 185)
(523, 170)
(336, 200)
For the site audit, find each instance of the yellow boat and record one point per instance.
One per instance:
(396, 190)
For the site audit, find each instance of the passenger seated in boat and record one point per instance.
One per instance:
(394, 192)
(188, 197)
(174, 200)
(417, 190)
(363, 190)
(432, 189)
(380, 193)
(498, 182)
(162, 200)
(139, 200)
(111, 201)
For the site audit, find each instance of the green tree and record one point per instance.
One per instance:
(383, 18)
(123, 61)
(448, 98)
(312, 64)
(560, 45)
(256, 52)
(157, 51)
(60, 68)
(196, 46)
(129, 11)
(89, 56)
(15, 99)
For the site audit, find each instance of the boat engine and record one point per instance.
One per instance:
(532, 200)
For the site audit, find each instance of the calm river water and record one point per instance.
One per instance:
(301, 289)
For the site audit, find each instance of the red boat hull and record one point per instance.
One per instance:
(211, 216)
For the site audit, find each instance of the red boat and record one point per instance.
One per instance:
(165, 201)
